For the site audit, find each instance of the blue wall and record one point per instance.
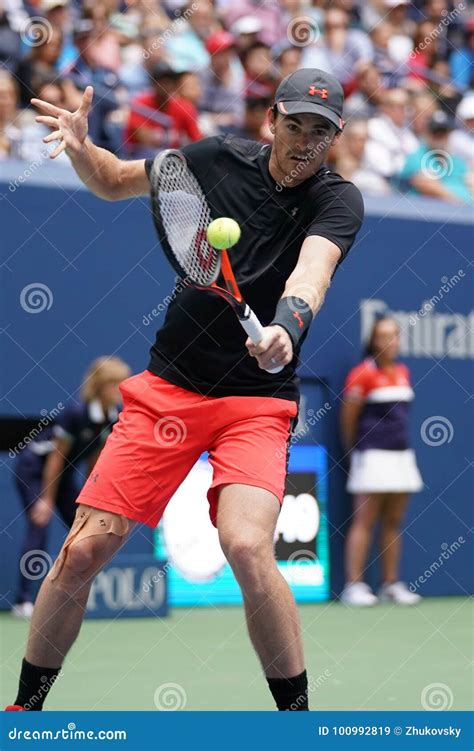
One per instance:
(105, 274)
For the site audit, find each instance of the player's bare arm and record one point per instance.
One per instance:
(104, 174)
(308, 283)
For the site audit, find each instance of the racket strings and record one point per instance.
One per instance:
(185, 216)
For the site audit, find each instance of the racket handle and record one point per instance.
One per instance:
(254, 329)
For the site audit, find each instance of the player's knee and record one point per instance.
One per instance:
(250, 557)
(81, 556)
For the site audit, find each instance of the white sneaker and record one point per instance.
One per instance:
(23, 610)
(399, 593)
(358, 594)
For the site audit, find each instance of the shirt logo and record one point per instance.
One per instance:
(323, 93)
(294, 211)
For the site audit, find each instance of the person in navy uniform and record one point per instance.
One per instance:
(49, 471)
(383, 469)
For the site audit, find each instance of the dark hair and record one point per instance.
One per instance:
(369, 346)
(254, 46)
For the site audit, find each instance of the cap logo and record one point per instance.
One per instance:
(323, 93)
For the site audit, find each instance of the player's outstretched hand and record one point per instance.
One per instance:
(275, 348)
(69, 128)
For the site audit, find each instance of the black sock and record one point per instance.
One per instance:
(34, 686)
(290, 693)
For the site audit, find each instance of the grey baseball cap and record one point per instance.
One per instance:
(313, 91)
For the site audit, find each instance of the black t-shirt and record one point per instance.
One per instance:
(201, 345)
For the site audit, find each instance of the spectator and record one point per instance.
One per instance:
(41, 61)
(160, 118)
(258, 66)
(390, 140)
(185, 47)
(246, 32)
(395, 12)
(10, 45)
(425, 52)
(444, 90)
(388, 68)
(190, 87)
(462, 60)
(422, 107)
(461, 140)
(436, 12)
(255, 125)
(10, 135)
(84, 72)
(106, 48)
(268, 12)
(432, 171)
(287, 59)
(365, 100)
(58, 13)
(383, 470)
(222, 83)
(352, 160)
(136, 76)
(340, 49)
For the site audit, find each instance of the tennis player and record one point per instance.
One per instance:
(206, 387)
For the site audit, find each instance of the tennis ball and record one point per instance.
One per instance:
(223, 233)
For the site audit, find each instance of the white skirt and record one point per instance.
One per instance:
(381, 471)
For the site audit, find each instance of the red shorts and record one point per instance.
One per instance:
(161, 433)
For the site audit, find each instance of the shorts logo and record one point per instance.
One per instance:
(323, 93)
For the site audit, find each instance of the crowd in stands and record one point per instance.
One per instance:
(167, 72)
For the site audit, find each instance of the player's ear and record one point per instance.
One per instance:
(271, 119)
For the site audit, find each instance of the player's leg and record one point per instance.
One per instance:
(246, 520)
(367, 510)
(59, 610)
(149, 452)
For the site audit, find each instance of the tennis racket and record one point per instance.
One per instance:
(181, 215)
